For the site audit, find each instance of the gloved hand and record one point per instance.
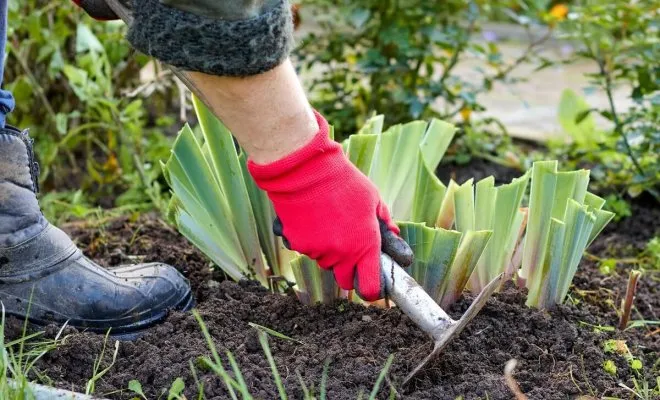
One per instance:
(331, 212)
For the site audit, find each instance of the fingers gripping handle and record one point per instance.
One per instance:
(413, 300)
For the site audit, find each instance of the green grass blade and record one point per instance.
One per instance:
(23, 339)
(198, 384)
(306, 392)
(542, 196)
(324, 380)
(381, 377)
(91, 384)
(263, 339)
(243, 388)
(273, 332)
(470, 250)
(464, 206)
(207, 336)
(216, 364)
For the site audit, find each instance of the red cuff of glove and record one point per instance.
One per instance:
(329, 210)
(307, 172)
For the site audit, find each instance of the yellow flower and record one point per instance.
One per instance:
(559, 11)
(465, 113)
(112, 164)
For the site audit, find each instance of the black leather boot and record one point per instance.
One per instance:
(41, 268)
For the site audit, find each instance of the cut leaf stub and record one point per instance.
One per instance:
(564, 219)
(461, 235)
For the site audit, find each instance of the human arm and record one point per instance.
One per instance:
(327, 208)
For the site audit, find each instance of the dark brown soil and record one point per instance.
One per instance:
(559, 353)
(477, 169)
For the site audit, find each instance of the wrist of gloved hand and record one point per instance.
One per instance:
(216, 37)
(331, 212)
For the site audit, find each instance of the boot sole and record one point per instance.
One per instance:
(128, 332)
(187, 303)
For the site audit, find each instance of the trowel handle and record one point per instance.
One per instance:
(411, 298)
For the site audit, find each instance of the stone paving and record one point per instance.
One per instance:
(528, 109)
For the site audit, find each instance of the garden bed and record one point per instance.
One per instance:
(560, 354)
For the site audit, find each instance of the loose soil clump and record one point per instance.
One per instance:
(559, 352)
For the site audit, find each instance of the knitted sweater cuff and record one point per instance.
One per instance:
(213, 46)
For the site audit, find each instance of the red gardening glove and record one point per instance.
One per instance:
(331, 212)
(97, 9)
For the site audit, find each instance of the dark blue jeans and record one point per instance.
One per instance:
(6, 98)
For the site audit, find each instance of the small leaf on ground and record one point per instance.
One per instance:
(136, 387)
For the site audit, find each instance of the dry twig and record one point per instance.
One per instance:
(511, 381)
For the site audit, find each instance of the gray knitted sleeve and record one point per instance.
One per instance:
(214, 46)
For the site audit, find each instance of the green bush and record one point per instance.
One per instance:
(72, 78)
(620, 38)
(399, 57)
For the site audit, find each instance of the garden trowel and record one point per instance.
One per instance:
(413, 300)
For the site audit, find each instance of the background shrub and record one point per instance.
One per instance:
(98, 128)
(399, 57)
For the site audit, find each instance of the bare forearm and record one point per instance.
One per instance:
(268, 114)
(234, 54)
